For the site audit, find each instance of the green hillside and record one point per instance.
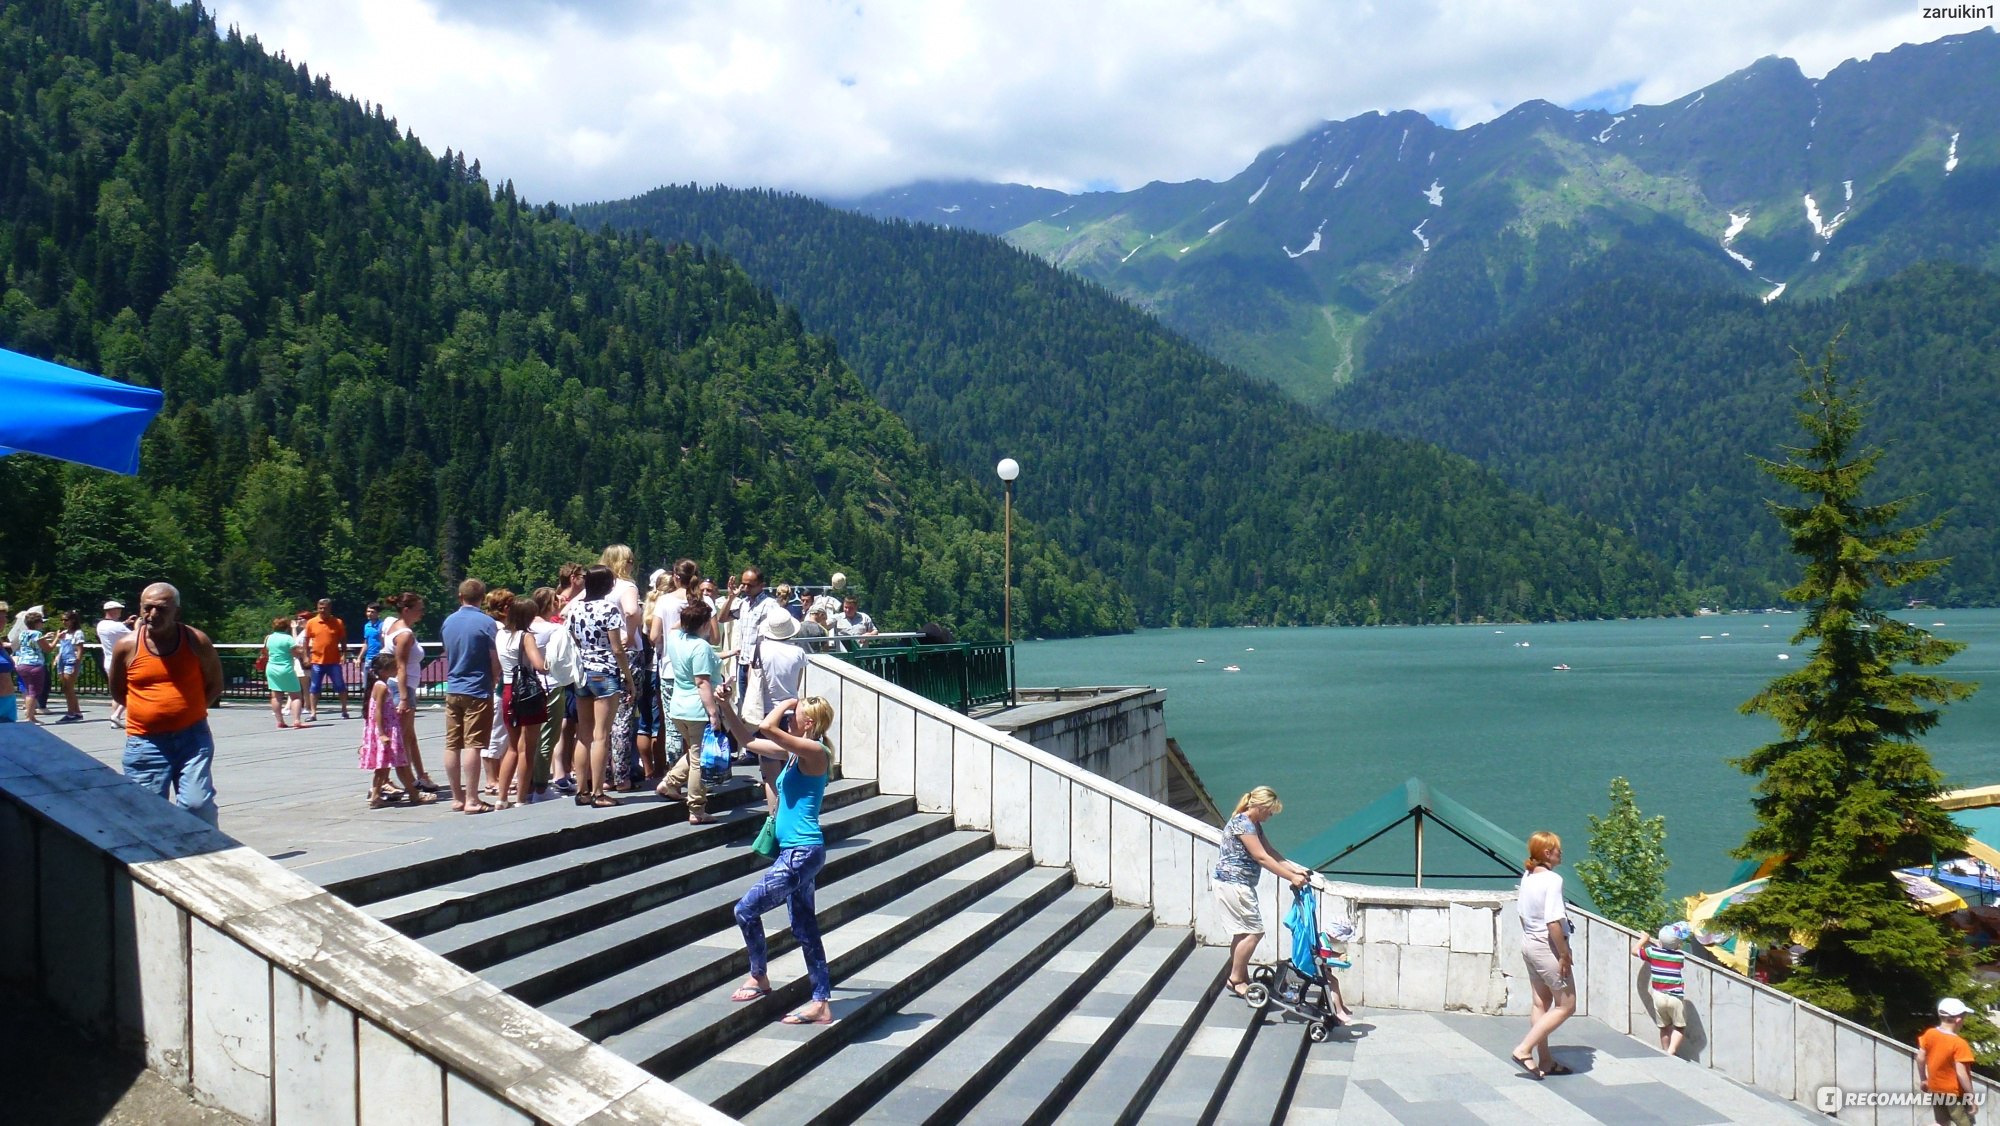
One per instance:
(1207, 496)
(372, 359)
(1640, 406)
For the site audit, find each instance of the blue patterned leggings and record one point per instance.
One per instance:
(790, 880)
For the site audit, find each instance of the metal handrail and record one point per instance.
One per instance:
(959, 675)
(242, 681)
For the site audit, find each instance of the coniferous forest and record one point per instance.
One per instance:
(1209, 496)
(375, 363)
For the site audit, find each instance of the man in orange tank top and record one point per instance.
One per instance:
(166, 675)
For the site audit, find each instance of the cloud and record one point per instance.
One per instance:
(579, 101)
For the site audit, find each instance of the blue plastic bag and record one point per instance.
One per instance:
(1303, 922)
(714, 759)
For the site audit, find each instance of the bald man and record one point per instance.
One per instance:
(166, 676)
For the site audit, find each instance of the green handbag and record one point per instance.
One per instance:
(766, 844)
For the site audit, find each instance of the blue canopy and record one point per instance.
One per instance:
(63, 413)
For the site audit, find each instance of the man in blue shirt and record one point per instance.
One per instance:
(472, 672)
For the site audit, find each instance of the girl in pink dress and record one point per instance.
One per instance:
(382, 738)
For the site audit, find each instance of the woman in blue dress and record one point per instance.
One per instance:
(795, 732)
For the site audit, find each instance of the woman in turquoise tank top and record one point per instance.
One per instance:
(794, 733)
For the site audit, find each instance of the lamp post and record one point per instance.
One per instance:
(1008, 469)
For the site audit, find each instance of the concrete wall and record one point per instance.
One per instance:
(261, 993)
(1750, 1031)
(1119, 734)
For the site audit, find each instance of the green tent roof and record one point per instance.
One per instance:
(1413, 800)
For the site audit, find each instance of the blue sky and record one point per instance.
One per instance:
(579, 100)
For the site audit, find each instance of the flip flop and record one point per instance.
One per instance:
(796, 1018)
(1559, 1068)
(749, 993)
(1528, 1065)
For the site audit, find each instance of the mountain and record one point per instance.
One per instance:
(1383, 237)
(376, 365)
(1642, 408)
(1206, 495)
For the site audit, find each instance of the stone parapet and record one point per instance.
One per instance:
(261, 993)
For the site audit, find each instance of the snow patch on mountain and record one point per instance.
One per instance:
(1740, 259)
(1419, 232)
(952, 210)
(1951, 155)
(1400, 144)
(1130, 253)
(1309, 247)
(1606, 134)
(1823, 229)
(1258, 192)
(1847, 186)
(1435, 193)
(1218, 226)
(1310, 175)
(1736, 224)
(1344, 176)
(1773, 295)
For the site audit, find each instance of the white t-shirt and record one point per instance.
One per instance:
(1541, 901)
(860, 624)
(110, 631)
(783, 666)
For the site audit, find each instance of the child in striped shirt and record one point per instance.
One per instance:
(1665, 961)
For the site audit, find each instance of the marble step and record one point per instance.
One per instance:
(684, 1038)
(497, 937)
(1261, 1088)
(863, 876)
(1118, 953)
(910, 1000)
(1125, 1080)
(478, 844)
(638, 1011)
(1202, 1072)
(1046, 1071)
(503, 887)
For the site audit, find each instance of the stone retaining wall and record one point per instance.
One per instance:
(261, 993)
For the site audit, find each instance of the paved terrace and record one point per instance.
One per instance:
(297, 797)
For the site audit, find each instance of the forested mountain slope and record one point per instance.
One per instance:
(1641, 407)
(372, 360)
(1379, 238)
(1208, 496)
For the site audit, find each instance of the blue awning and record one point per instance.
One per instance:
(63, 413)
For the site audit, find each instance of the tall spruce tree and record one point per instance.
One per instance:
(1846, 795)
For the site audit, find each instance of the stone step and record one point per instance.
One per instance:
(479, 844)
(496, 938)
(1203, 1070)
(497, 888)
(1322, 1080)
(989, 889)
(573, 965)
(1043, 1070)
(903, 1006)
(873, 911)
(1262, 1086)
(1124, 1082)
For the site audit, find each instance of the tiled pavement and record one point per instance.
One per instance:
(1450, 1069)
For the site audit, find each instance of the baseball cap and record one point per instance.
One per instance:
(1952, 1007)
(114, 604)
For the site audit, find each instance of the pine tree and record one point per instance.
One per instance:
(1846, 795)
(1626, 874)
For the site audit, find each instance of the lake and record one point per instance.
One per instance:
(1333, 717)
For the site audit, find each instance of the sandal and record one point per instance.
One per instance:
(1558, 1068)
(477, 807)
(603, 801)
(801, 1018)
(377, 802)
(418, 797)
(1528, 1065)
(749, 993)
(583, 797)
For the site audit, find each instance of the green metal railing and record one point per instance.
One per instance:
(241, 679)
(961, 676)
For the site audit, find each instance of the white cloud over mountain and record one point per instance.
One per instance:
(584, 100)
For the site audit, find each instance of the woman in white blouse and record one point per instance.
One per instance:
(1545, 947)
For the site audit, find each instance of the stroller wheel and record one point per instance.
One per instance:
(1257, 994)
(1265, 974)
(1319, 1030)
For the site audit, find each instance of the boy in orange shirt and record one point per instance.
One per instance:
(1945, 1065)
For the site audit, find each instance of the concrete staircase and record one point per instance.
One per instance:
(970, 984)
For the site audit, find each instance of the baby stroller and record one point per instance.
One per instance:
(1316, 953)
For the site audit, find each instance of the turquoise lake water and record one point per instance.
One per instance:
(1334, 717)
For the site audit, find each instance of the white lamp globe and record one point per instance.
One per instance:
(1008, 469)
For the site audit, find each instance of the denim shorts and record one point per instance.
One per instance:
(323, 673)
(597, 685)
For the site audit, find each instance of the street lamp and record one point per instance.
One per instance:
(1008, 469)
